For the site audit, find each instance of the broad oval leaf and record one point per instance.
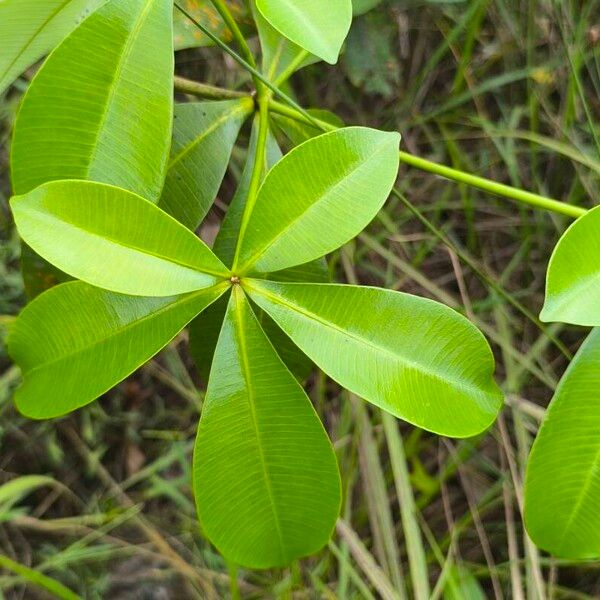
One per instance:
(204, 134)
(266, 481)
(114, 239)
(417, 359)
(562, 486)
(573, 280)
(29, 29)
(74, 342)
(317, 26)
(318, 197)
(101, 106)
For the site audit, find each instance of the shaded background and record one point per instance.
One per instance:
(508, 89)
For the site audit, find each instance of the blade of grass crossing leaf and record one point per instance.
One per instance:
(114, 239)
(38, 579)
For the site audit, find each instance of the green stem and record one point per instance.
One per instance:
(257, 174)
(481, 183)
(203, 90)
(291, 68)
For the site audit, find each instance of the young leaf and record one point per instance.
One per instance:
(562, 487)
(317, 26)
(31, 28)
(75, 342)
(279, 55)
(573, 281)
(265, 475)
(417, 359)
(114, 239)
(203, 137)
(101, 106)
(298, 132)
(343, 177)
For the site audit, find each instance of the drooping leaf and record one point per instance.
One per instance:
(573, 280)
(101, 106)
(317, 26)
(562, 487)
(318, 197)
(279, 54)
(417, 359)
(29, 29)
(204, 134)
(74, 342)
(187, 35)
(265, 475)
(114, 239)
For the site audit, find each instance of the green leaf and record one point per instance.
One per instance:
(101, 106)
(74, 342)
(29, 29)
(265, 475)
(417, 359)
(573, 280)
(562, 486)
(114, 239)
(360, 7)
(318, 197)
(317, 26)
(279, 55)
(204, 134)
(14, 490)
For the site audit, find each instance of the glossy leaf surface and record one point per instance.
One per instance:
(417, 359)
(573, 280)
(75, 342)
(101, 106)
(319, 27)
(29, 29)
(204, 134)
(265, 475)
(318, 197)
(114, 239)
(562, 488)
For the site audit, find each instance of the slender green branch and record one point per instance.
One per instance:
(291, 68)
(235, 30)
(257, 174)
(493, 187)
(203, 90)
(481, 183)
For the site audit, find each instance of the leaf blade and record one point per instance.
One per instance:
(274, 475)
(418, 359)
(573, 279)
(346, 174)
(319, 27)
(114, 239)
(99, 114)
(562, 485)
(61, 337)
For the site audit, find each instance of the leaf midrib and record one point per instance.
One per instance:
(365, 341)
(239, 325)
(356, 166)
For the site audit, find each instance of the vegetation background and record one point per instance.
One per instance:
(509, 89)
